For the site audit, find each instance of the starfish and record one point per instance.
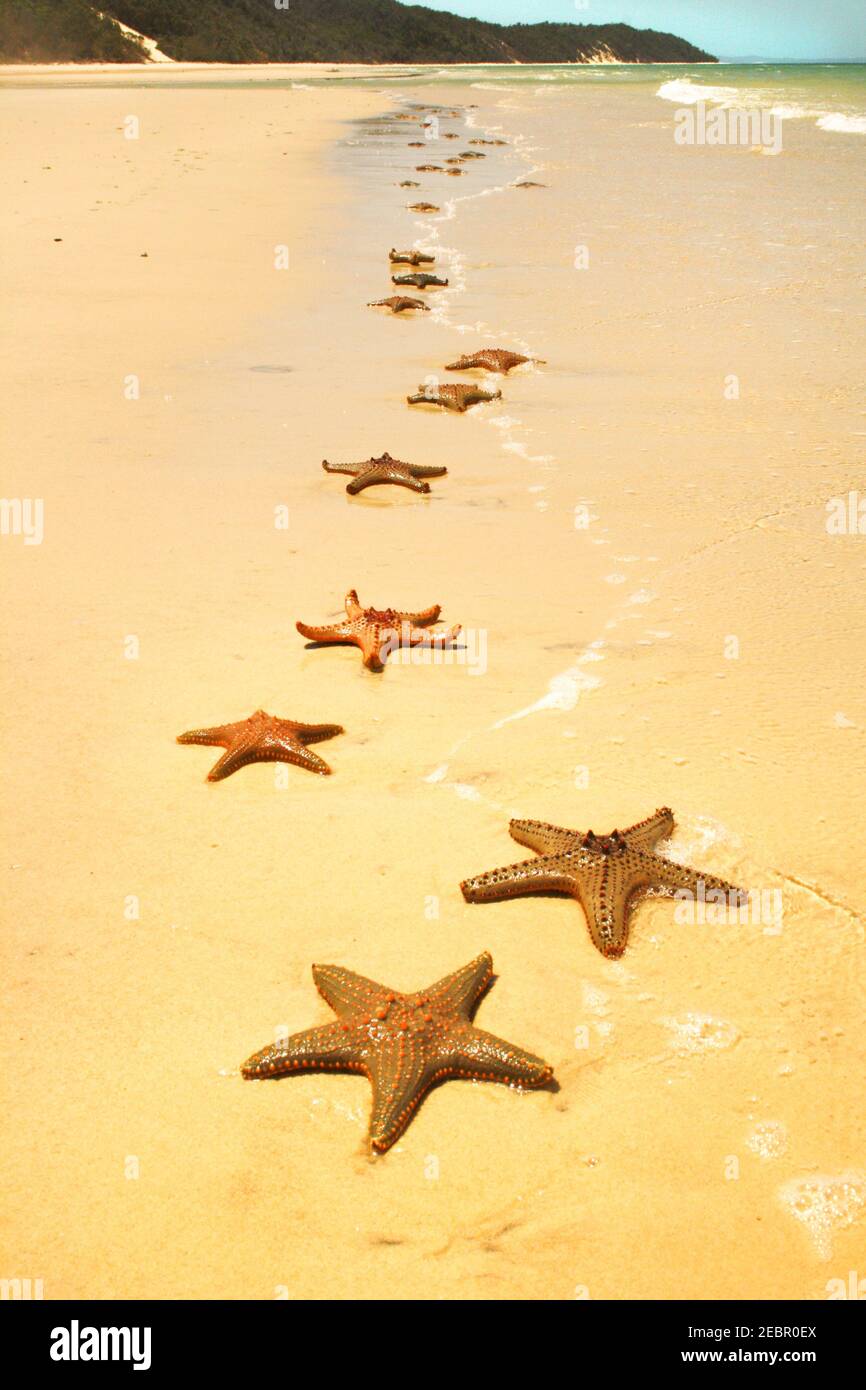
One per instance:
(458, 398)
(424, 207)
(455, 173)
(472, 154)
(452, 135)
(488, 142)
(603, 872)
(410, 257)
(527, 183)
(428, 169)
(421, 280)
(409, 183)
(398, 304)
(404, 1043)
(492, 359)
(263, 739)
(380, 631)
(456, 159)
(385, 469)
(416, 144)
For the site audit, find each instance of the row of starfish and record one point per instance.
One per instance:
(407, 1043)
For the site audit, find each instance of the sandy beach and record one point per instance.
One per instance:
(635, 540)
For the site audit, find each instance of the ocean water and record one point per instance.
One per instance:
(832, 95)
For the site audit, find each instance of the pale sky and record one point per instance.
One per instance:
(792, 30)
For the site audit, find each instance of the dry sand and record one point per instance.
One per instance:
(707, 1139)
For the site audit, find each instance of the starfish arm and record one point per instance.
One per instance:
(371, 640)
(221, 736)
(665, 874)
(347, 993)
(315, 1049)
(336, 632)
(423, 470)
(604, 900)
(232, 760)
(422, 637)
(426, 615)
(401, 1075)
(386, 475)
(543, 838)
(530, 876)
(462, 989)
(292, 750)
(315, 733)
(352, 605)
(647, 833)
(487, 1058)
(351, 468)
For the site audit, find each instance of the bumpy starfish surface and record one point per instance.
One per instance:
(409, 183)
(472, 154)
(380, 631)
(458, 398)
(385, 469)
(420, 279)
(263, 739)
(428, 169)
(424, 207)
(455, 173)
(488, 142)
(603, 872)
(491, 359)
(404, 1043)
(399, 303)
(410, 257)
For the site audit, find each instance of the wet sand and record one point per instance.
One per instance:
(603, 533)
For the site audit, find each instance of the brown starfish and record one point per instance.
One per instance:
(455, 173)
(410, 257)
(491, 359)
(398, 304)
(385, 469)
(458, 398)
(424, 207)
(451, 135)
(603, 872)
(263, 739)
(409, 183)
(378, 632)
(472, 154)
(404, 1043)
(428, 169)
(421, 280)
(416, 144)
(527, 183)
(457, 159)
(488, 142)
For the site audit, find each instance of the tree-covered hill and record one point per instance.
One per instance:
(61, 31)
(359, 31)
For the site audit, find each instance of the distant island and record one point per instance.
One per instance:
(308, 31)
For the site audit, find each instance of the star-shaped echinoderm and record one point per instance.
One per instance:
(399, 304)
(378, 632)
(603, 872)
(423, 207)
(410, 257)
(458, 398)
(404, 1043)
(490, 360)
(421, 280)
(263, 739)
(385, 469)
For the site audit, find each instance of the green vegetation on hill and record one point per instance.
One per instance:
(325, 31)
(61, 31)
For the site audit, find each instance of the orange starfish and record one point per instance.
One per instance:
(398, 304)
(386, 469)
(490, 359)
(263, 739)
(458, 398)
(378, 632)
(404, 1043)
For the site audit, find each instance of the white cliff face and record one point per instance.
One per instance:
(154, 54)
